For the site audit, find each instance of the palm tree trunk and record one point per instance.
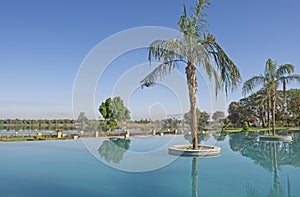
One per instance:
(284, 102)
(269, 112)
(262, 116)
(274, 111)
(284, 97)
(192, 86)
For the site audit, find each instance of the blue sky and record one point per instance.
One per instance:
(43, 43)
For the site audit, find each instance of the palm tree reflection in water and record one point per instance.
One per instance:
(194, 176)
(270, 155)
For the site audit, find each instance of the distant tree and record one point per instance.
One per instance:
(106, 110)
(119, 111)
(202, 119)
(93, 125)
(218, 115)
(142, 121)
(1, 124)
(113, 111)
(171, 123)
(81, 118)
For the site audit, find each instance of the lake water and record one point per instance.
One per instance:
(96, 167)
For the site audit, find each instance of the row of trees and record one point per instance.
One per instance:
(114, 111)
(203, 120)
(255, 112)
(32, 124)
(268, 105)
(35, 122)
(269, 81)
(18, 124)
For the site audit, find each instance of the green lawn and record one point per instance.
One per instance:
(258, 129)
(19, 139)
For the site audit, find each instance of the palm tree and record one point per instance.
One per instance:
(273, 76)
(262, 101)
(196, 48)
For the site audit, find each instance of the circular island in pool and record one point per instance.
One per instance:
(202, 151)
(282, 138)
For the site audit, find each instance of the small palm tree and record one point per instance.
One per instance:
(197, 48)
(273, 76)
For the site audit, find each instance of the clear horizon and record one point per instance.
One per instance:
(43, 45)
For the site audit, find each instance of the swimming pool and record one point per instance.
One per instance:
(95, 167)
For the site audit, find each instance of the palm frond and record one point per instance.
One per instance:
(262, 96)
(192, 26)
(169, 53)
(199, 6)
(270, 68)
(182, 22)
(229, 73)
(287, 79)
(285, 69)
(159, 72)
(166, 50)
(251, 83)
(200, 17)
(218, 82)
(202, 58)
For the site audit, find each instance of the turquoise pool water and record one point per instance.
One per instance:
(71, 168)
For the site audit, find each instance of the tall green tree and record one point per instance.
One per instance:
(273, 76)
(234, 111)
(106, 110)
(294, 102)
(119, 110)
(113, 111)
(197, 48)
